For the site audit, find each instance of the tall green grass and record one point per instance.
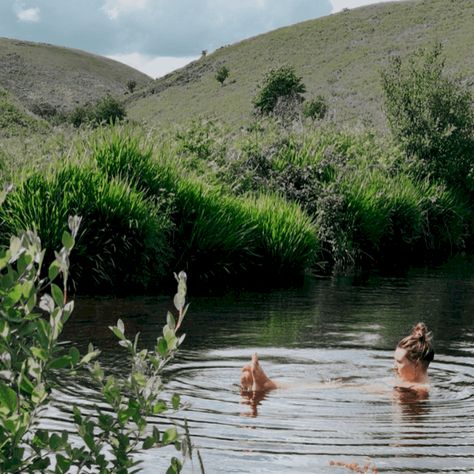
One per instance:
(215, 235)
(122, 232)
(286, 236)
(400, 219)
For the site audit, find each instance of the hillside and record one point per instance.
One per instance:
(339, 56)
(40, 75)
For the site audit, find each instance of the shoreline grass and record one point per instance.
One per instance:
(338, 199)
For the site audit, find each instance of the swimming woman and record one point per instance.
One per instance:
(413, 355)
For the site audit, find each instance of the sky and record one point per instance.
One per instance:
(155, 36)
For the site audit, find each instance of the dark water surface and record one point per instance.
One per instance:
(332, 342)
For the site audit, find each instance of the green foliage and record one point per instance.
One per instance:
(214, 237)
(431, 116)
(105, 111)
(199, 142)
(131, 85)
(286, 238)
(111, 438)
(124, 241)
(222, 74)
(315, 109)
(14, 120)
(278, 84)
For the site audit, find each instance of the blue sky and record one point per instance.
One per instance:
(155, 36)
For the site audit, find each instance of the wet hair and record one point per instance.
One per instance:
(418, 345)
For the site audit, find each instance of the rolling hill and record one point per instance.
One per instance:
(40, 75)
(339, 56)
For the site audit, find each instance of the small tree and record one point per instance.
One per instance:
(106, 110)
(277, 85)
(430, 115)
(222, 74)
(315, 109)
(131, 85)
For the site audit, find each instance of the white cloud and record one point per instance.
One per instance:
(114, 8)
(29, 15)
(338, 5)
(153, 66)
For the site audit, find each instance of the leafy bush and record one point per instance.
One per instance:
(222, 74)
(315, 109)
(278, 84)
(105, 111)
(431, 116)
(131, 85)
(107, 441)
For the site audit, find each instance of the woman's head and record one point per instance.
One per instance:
(414, 354)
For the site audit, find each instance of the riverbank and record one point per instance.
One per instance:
(262, 206)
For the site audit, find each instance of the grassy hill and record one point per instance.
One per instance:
(42, 76)
(339, 56)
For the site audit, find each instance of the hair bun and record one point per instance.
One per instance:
(420, 331)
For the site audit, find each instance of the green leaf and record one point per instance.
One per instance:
(159, 407)
(67, 240)
(55, 442)
(4, 329)
(121, 326)
(8, 399)
(60, 362)
(74, 355)
(13, 296)
(170, 435)
(39, 394)
(39, 353)
(62, 463)
(57, 295)
(170, 321)
(77, 416)
(117, 332)
(156, 434)
(89, 356)
(149, 442)
(175, 401)
(53, 270)
(162, 347)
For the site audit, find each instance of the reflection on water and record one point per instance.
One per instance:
(324, 342)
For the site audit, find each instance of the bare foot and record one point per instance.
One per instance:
(246, 379)
(260, 380)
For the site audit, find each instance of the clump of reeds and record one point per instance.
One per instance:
(123, 234)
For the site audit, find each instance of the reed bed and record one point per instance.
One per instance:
(123, 240)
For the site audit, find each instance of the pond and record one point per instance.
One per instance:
(328, 330)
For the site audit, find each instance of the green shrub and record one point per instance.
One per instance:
(222, 74)
(33, 313)
(214, 237)
(131, 85)
(105, 111)
(431, 116)
(277, 84)
(315, 109)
